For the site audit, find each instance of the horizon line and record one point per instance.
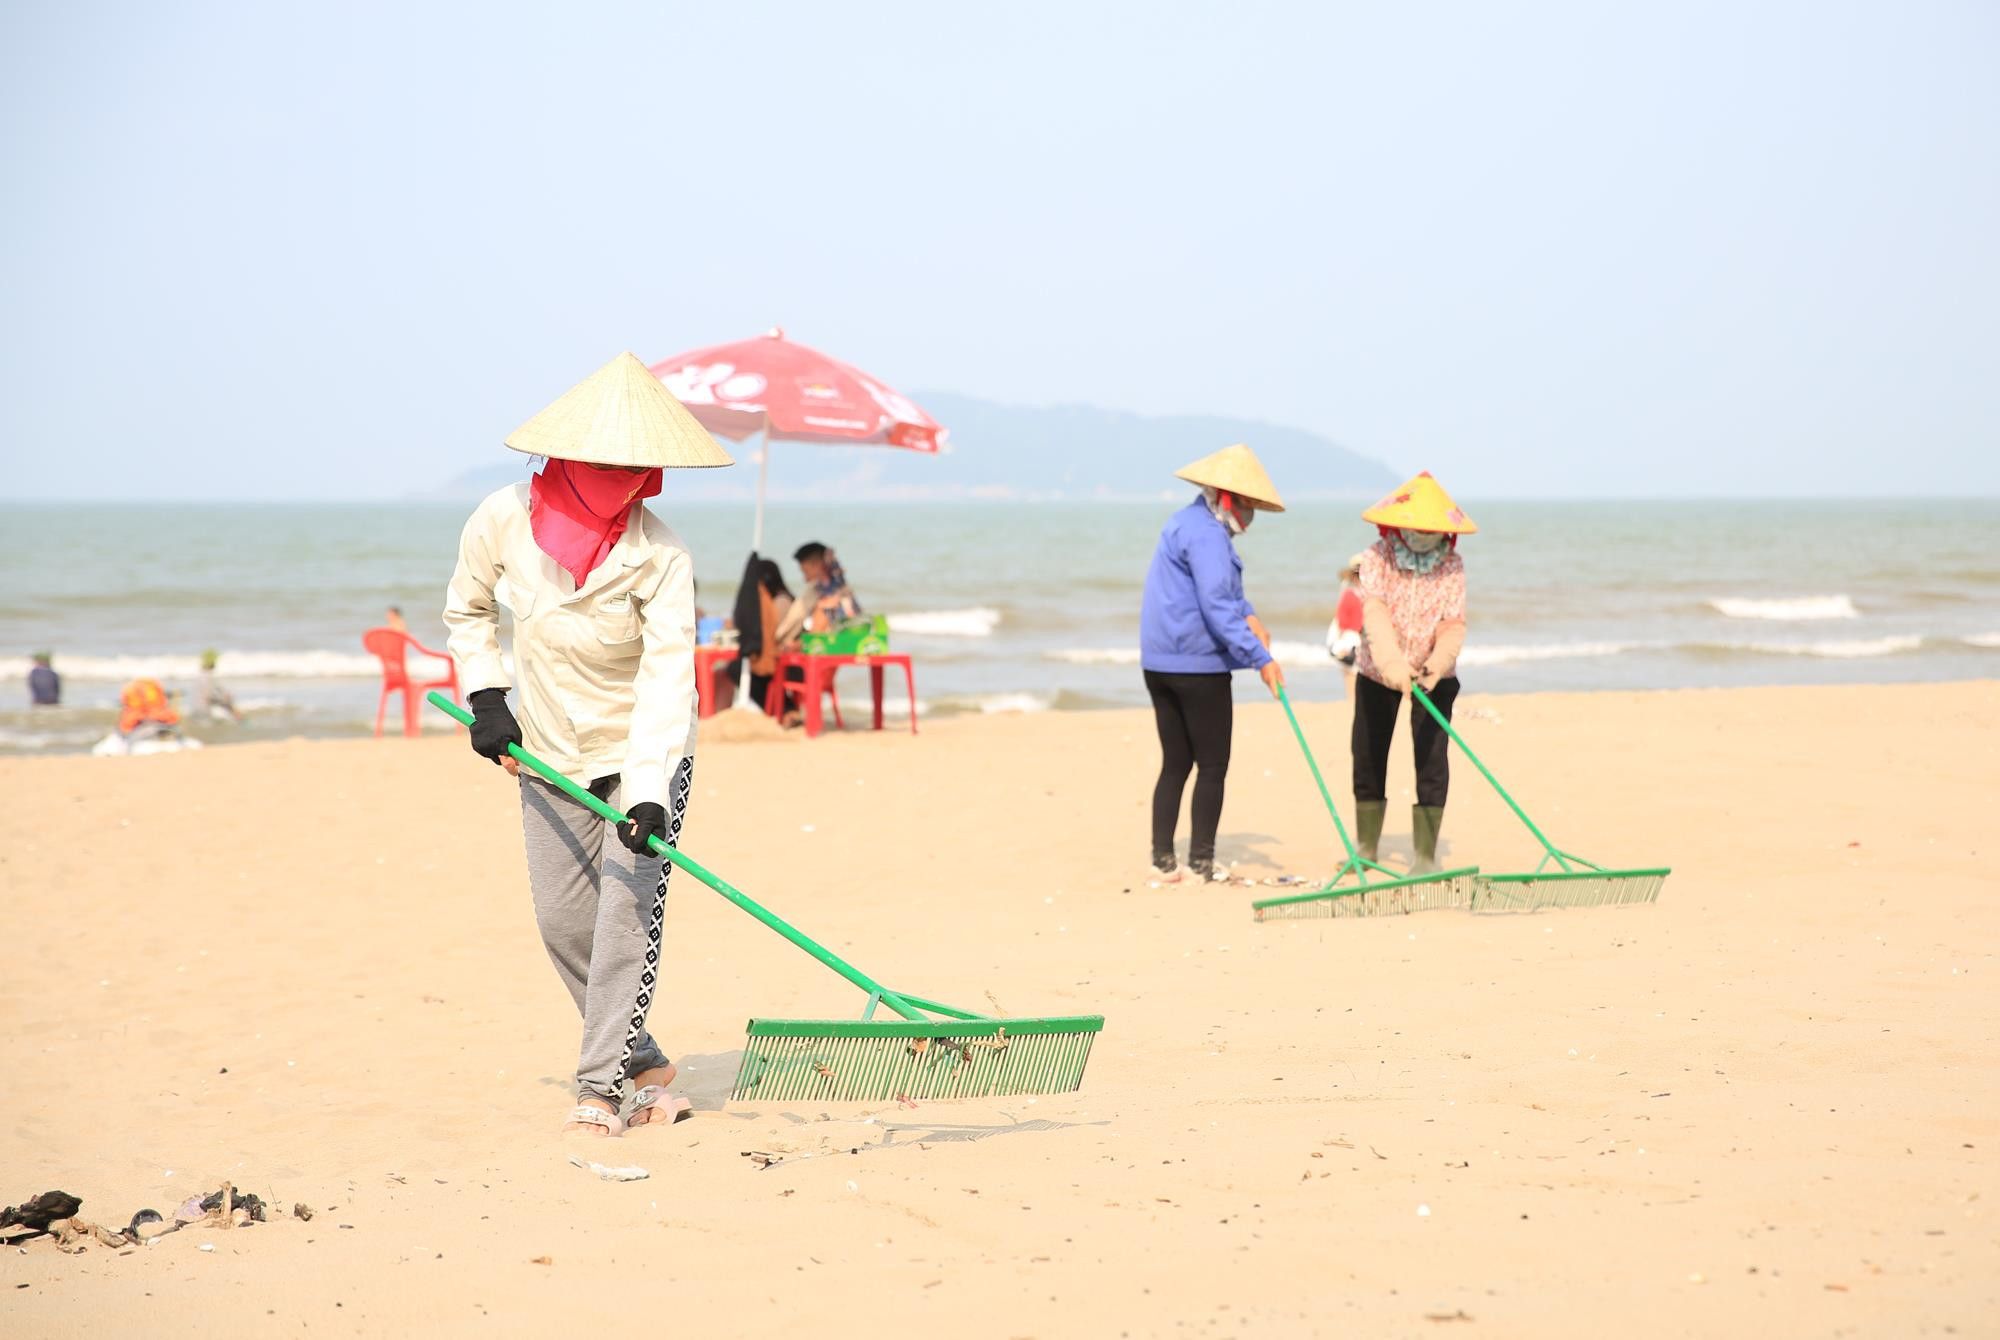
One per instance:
(1061, 499)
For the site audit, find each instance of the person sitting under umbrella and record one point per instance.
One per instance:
(828, 602)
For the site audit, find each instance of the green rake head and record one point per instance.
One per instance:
(837, 1060)
(1377, 890)
(955, 1055)
(1374, 898)
(1567, 888)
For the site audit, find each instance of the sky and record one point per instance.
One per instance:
(1544, 250)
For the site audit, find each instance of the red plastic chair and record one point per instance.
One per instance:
(391, 648)
(817, 680)
(778, 698)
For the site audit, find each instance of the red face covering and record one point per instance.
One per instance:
(577, 513)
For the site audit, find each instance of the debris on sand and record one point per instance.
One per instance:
(147, 1225)
(246, 1201)
(633, 1173)
(37, 1213)
(55, 1214)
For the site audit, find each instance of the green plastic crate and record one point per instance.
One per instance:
(856, 637)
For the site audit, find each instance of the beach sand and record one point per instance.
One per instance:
(1764, 1105)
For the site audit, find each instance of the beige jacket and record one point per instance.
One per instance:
(607, 671)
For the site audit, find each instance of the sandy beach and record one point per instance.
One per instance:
(1764, 1105)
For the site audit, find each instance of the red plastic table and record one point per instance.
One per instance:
(705, 661)
(818, 674)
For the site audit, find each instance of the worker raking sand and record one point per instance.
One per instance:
(1413, 628)
(602, 594)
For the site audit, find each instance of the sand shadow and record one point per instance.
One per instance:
(705, 1078)
(1234, 849)
(914, 1135)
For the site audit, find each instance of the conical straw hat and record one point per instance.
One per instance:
(1421, 504)
(620, 415)
(1235, 470)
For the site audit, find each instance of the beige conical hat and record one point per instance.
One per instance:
(1235, 470)
(620, 415)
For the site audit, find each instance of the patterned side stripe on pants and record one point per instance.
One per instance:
(677, 803)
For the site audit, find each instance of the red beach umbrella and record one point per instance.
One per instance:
(793, 393)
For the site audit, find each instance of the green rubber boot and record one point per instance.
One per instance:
(1368, 815)
(1425, 821)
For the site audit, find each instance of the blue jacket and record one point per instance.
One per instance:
(1192, 619)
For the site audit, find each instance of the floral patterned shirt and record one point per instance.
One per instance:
(1417, 602)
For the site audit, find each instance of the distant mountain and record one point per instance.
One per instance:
(1019, 452)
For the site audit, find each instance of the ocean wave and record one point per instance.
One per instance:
(1982, 640)
(1314, 656)
(1839, 649)
(231, 665)
(37, 741)
(1503, 654)
(978, 622)
(987, 704)
(1785, 608)
(1095, 655)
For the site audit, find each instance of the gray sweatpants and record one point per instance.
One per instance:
(599, 907)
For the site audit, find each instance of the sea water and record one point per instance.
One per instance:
(1015, 606)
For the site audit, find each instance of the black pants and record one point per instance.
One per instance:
(1194, 714)
(1374, 724)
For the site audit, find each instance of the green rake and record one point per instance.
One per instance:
(1393, 896)
(1574, 882)
(956, 1055)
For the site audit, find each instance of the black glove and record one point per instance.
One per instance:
(493, 726)
(646, 821)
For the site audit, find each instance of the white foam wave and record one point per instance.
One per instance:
(231, 665)
(946, 623)
(1852, 649)
(1301, 655)
(26, 740)
(1314, 656)
(1983, 640)
(1503, 654)
(1095, 655)
(1786, 608)
(986, 704)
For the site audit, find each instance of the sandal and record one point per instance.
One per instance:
(589, 1114)
(654, 1097)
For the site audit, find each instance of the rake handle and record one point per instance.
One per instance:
(1332, 810)
(1417, 692)
(777, 923)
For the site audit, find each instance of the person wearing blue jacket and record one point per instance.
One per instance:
(1196, 627)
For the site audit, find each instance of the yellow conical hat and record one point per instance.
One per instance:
(1421, 504)
(1235, 470)
(620, 415)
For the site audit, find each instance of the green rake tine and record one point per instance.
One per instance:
(1380, 886)
(1451, 883)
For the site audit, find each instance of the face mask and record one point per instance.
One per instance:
(1234, 524)
(1421, 541)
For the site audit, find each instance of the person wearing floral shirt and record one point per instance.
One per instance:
(1413, 628)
